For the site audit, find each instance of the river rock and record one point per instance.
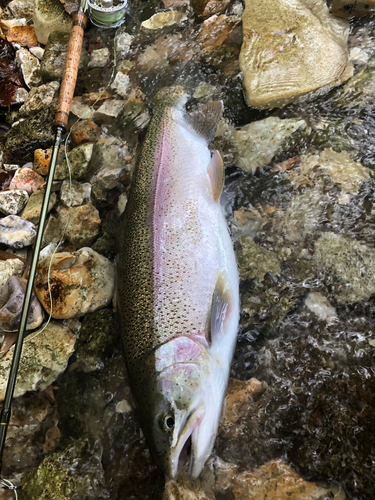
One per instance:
(83, 224)
(95, 340)
(121, 84)
(352, 8)
(76, 472)
(30, 67)
(321, 306)
(34, 206)
(39, 98)
(254, 261)
(84, 131)
(109, 154)
(42, 160)
(207, 8)
(347, 265)
(37, 52)
(258, 142)
(99, 58)
(16, 232)
(276, 480)
(216, 30)
(135, 112)
(12, 297)
(82, 282)
(123, 42)
(75, 194)
(50, 16)
(106, 113)
(19, 9)
(239, 396)
(12, 202)
(79, 159)
(294, 49)
(304, 215)
(43, 358)
(26, 179)
(52, 232)
(163, 20)
(8, 268)
(53, 61)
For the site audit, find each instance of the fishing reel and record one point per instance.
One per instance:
(106, 13)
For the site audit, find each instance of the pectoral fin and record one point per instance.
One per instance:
(221, 309)
(205, 120)
(215, 171)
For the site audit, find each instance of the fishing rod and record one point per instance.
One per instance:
(104, 14)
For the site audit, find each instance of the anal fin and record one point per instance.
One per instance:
(221, 309)
(215, 171)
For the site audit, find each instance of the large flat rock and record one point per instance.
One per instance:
(291, 48)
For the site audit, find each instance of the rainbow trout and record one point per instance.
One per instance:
(177, 285)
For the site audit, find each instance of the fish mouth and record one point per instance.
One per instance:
(185, 444)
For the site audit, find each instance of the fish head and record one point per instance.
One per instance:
(185, 409)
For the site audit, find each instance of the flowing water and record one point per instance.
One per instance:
(307, 327)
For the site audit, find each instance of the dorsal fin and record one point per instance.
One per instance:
(204, 121)
(216, 174)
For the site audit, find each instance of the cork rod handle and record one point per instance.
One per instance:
(70, 70)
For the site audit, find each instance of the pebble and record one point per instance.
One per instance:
(258, 142)
(321, 306)
(5, 178)
(16, 232)
(82, 283)
(34, 206)
(216, 30)
(12, 202)
(163, 20)
(239, 396)
(83, 224)
(37, 52)
(43, 359)
(10, 267)
(42, 160)
(347, 265)
(255, 261)
(26, 179)
(30, 67)
(40, 98)
(106, 113)
(281, 57)
(79, 160)
(12, 296)
(52, 231)
(121, 84)
(11, 167)
(21, 9)
(75, 194)
(99, 58)
(84, 131)
(123, 42)
(208, 8)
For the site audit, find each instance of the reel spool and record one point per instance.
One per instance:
(107, 13)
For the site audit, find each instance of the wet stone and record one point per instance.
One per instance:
(49, 16)
(216, 30)
(52, 231)
(79, 160)
(19, 9)
(12, 202)
(276, 480)
(163, 20)
(83, 224)
(34, 206)
(280, 56)
(121, 84)
(10, 267)
(352, 8)
(26, 179)
(96, 338)
(37, 52)
(42, 160)
(320, 305)
(44, 357)
(207, 8)
(16, 232)
(84, 131)
(74, 194)
(346, 264)
(74, 473)
(254, 261)
(135, 113)
(30, 67)
(258, 142)
(99, 58)
(240, 394)
(52, 65)
(81, 283)
(40, 98)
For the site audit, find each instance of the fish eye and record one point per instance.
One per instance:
(166, 423)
